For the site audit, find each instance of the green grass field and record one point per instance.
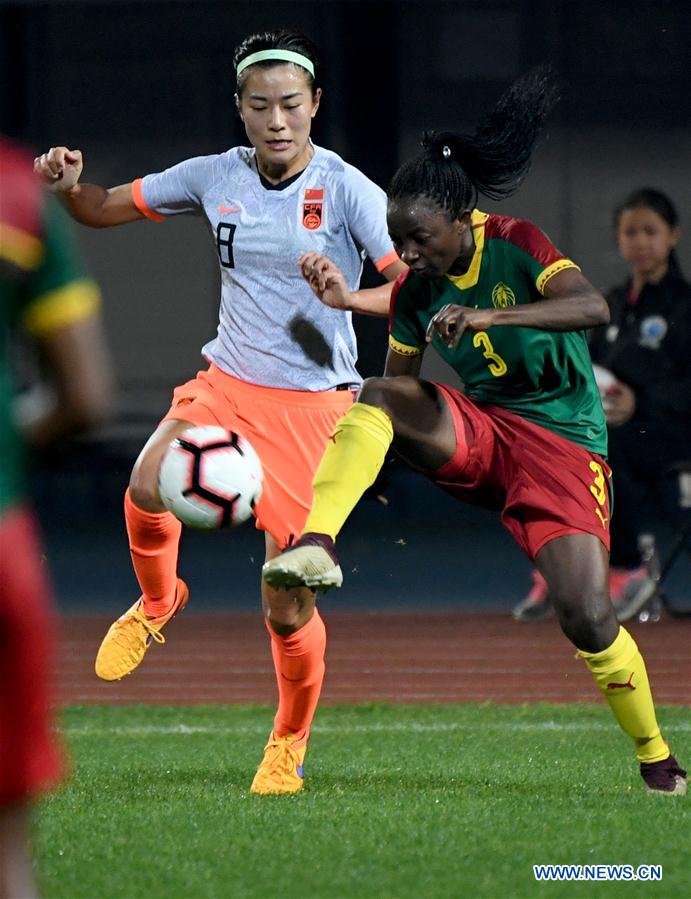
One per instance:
(401, 801)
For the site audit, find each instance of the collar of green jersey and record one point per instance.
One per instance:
(469, 278)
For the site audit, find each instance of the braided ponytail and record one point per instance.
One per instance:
(454, 168)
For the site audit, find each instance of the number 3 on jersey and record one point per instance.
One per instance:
(224, 241)
(495, 363)
(599, 490)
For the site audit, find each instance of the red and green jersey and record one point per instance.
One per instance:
(42, 288)
(544, 376)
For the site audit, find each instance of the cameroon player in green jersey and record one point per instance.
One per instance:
(44, 292)
(526, 435)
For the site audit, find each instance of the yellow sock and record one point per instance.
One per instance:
(351, 463)
(619, 672)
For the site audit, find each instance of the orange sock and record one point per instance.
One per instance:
(154, 539)
(299, 664)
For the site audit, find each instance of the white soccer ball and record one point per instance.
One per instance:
(210, 478)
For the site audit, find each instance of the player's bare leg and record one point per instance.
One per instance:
(286, 611)
(576, 569)
(154, 535)
(424, 433)
(298, 643)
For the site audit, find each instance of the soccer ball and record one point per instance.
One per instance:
(210, 478)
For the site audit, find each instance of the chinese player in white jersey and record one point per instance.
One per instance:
(281, 369)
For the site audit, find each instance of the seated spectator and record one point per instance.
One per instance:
(644, 371)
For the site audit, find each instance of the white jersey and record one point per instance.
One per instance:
(273, 331)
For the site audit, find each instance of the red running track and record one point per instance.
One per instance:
(371, 657)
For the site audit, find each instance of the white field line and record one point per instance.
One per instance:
(399, 727)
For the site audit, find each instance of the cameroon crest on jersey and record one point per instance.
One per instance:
(503, 296)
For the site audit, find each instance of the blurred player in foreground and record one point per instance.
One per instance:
(527, 437)
(42, 288)
(646, 387)
(282, 367)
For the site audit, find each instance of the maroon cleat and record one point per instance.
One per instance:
(311, 562)
(664, 777)
(311, 539)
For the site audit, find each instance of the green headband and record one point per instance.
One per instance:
(278, 56)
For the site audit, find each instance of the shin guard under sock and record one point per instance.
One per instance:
(299, 663)
(154, 539)
(619, 672)
(354, 455)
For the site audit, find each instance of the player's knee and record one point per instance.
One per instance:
(283, 621)
(384, 393)
(286, 611)
(144, 492)
(373, 392)
(586, 617)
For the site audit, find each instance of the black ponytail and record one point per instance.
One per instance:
(455, 168)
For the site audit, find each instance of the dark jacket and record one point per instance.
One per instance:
(647, 345)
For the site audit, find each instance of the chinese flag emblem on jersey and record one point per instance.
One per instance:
(312, 208)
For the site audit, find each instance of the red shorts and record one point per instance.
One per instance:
(544, 485)
(289, 430)
(29, 760)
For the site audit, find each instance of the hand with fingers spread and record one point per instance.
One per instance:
(452, 321)
(59, 168)
(326, 280)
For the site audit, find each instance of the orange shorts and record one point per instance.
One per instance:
(289, 430)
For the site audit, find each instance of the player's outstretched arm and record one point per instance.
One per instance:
(377, 300)
(571, 304)
(89, 204)
(329, 286)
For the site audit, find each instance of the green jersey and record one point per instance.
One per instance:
(42, 288)
(543, 376)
